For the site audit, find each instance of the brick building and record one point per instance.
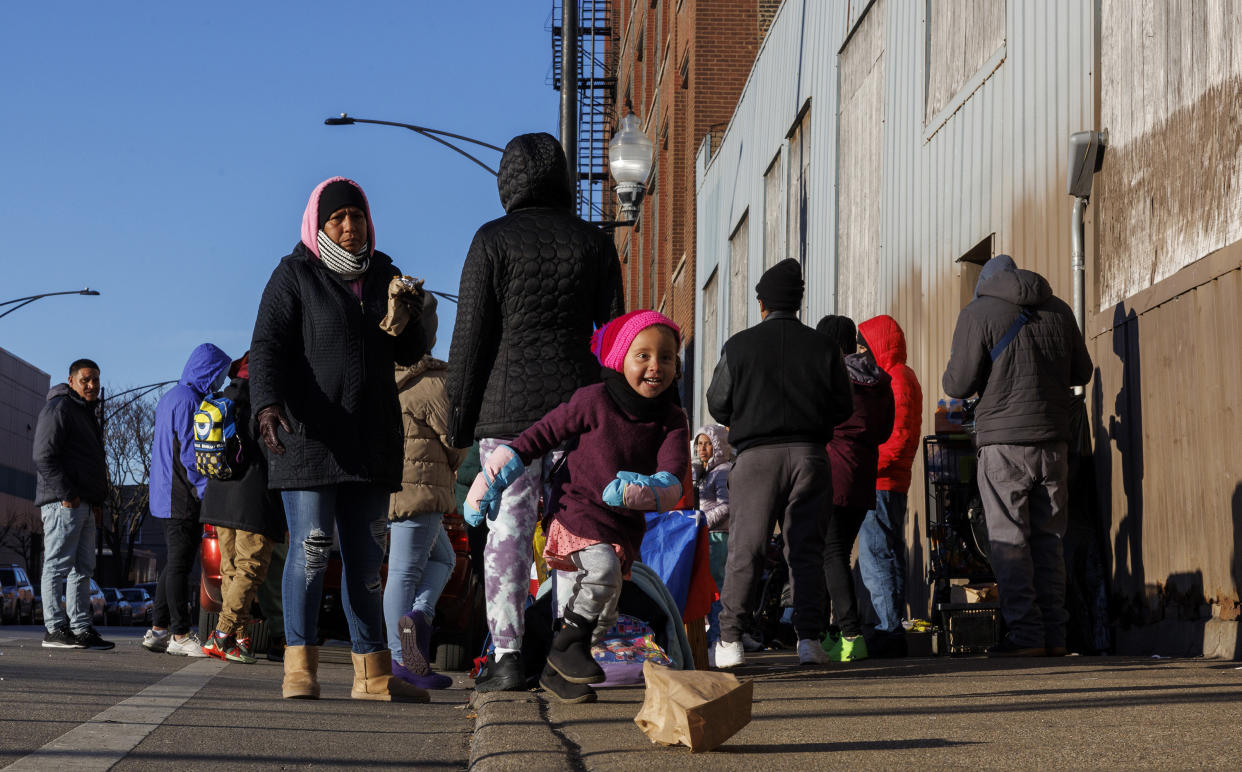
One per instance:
(682, 65)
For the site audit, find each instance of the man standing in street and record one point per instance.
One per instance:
(1018, 347)
(176, 497)
(72, 483)
(881, 541)
(780, 387)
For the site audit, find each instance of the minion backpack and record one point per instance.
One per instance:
(217, 448)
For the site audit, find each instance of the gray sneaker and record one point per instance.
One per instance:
(188, 646)
(156, 642)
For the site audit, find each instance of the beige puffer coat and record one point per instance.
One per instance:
(429, 475)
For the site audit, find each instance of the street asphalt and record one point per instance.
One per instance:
(128, 709)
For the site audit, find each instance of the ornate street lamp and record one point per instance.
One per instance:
(629, 161)
(32, 298)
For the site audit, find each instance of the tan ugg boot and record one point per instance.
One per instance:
(301, 665)
(373, 680)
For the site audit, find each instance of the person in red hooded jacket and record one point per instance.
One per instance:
(881, 540)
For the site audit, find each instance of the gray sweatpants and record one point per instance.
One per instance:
(793, 482)
(593, 590)
(1024, 494)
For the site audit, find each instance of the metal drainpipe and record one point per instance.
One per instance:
(1079, 263)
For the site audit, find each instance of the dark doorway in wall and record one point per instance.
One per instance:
(969, 265)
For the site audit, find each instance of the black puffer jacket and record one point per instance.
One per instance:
(319, 351)
(1025, 395)
(534, 285)
(68, 450)
(245, 502)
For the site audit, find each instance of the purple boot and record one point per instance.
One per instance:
(429, 681)
(415, 633)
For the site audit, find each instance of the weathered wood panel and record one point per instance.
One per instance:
(961, 35)
(1171, 91)
(739, 259)
(709, 336)
(1167, 418)
(861, 140)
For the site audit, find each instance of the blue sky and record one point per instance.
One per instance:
(162, 153)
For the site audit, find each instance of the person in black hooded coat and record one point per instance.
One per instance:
(321, 386)
(535, 285)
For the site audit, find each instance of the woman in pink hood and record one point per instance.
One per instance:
(321, 385)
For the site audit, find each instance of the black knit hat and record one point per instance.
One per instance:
(338, 195)
(841, 330)
(780, 287)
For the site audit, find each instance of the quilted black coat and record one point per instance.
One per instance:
(319, 351)
(535, 284)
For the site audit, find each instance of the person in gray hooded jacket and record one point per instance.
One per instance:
(1018, 347)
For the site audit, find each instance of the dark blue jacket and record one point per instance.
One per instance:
(176, 486)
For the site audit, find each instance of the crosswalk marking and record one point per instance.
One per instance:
(108, 737)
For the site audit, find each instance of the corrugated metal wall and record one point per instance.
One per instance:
(997, 164)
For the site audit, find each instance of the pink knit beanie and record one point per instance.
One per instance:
(611, 342)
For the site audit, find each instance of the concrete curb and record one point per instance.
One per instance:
(512, 732)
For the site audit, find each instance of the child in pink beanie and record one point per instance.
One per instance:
(630, 453)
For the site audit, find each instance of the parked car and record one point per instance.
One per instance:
(460, 623)
(117, 611)
(140, 604)
(16, 596)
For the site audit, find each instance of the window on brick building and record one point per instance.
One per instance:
(773, 229)
(653, 208)
(739, 258)
(684, 70)
(964, 39)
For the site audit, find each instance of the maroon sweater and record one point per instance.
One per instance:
(608, 441)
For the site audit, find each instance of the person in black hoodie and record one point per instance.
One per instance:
(321, 364)
(1019, 348)
(854, 453)
(249, 520)
(71, 483)
(535, 285)
(780, 387)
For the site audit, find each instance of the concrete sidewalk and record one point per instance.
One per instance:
(968, 712)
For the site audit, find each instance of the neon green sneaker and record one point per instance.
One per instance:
(843, 648)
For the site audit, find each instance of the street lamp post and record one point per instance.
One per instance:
(432, 134)
(32, 298)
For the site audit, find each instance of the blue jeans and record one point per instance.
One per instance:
(420, 561)
(882, 558)
(359, 513)
(68, 563)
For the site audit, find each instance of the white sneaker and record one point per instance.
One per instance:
(729, 655)
(810, 652)
(156, 641)
(189, 646)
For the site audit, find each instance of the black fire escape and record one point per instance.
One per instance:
(597, 98)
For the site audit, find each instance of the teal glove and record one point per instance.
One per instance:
(502, 468)
(649, 493)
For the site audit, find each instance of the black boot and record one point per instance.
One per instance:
(564, 691)
(276, 649)
(504, 675)
(571, 651)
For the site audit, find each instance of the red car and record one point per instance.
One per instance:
(460, 625)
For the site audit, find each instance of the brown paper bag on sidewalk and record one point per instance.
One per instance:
(698, 708)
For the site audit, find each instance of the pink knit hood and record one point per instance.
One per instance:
(310, 218)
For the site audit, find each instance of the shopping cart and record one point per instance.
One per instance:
(957, 545)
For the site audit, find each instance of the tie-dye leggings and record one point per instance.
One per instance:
(507, 556)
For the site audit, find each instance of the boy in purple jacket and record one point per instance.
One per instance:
(632, 449)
